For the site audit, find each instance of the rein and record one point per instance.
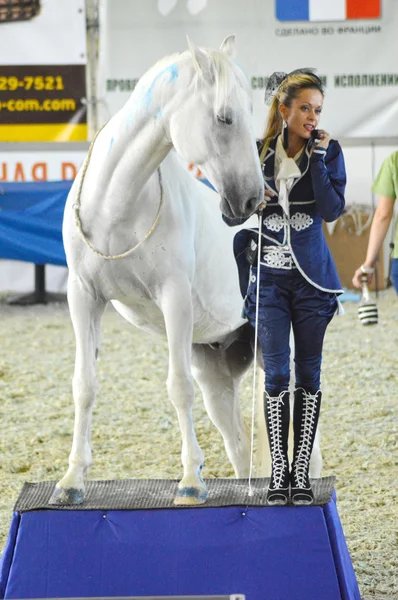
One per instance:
(260, 241)
(76, 207)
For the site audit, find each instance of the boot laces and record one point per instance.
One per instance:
(279, 462)
(306, 438)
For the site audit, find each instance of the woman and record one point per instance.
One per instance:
(386, 185)
(304, 178)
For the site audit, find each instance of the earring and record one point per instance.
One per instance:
(285, 134)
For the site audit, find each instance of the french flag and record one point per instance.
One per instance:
(326, 10)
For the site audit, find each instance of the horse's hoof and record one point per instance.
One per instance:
(65, 496)
(190, 496)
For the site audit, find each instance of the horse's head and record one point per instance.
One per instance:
(212, 128)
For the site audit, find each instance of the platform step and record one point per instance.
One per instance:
(285, 553)
(159, 493)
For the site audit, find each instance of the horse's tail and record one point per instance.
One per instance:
(263, 457)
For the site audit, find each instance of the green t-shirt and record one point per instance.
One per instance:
(386, 184)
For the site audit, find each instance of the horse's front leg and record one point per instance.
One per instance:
(86, 315)
(178, 316)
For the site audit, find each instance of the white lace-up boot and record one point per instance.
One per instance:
(305, 421)
(277, 413)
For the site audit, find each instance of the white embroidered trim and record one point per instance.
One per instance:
(277, 257)
(301, 202)
(274, 222)
(298, 221)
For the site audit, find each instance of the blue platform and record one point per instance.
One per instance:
(289, 553)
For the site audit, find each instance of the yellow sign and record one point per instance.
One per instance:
(43, 103)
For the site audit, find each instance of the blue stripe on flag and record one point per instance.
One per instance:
(292, 10)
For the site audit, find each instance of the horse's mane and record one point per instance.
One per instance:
(229, 78)
(153, 71)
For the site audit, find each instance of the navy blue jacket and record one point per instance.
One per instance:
(315, 196)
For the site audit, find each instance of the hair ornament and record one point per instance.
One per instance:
(273, 85)
(276, 79)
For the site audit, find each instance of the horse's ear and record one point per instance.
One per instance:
(228, 45)
(201, 61)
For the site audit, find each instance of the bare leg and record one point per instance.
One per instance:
(86, 314)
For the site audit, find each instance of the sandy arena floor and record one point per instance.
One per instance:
(134, 421)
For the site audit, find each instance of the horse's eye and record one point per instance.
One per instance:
(225, 119)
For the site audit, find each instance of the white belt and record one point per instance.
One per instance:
(277, 257)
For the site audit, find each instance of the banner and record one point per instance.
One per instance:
(353, 45)
(43, 75)
(40, 165)
(31, 221)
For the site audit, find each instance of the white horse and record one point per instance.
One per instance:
(151, 240)
(180, 277)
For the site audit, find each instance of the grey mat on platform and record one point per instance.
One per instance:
(130, 494)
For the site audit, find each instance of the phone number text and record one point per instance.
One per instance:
(38, 83)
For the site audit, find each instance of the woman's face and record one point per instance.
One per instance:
(304, 113)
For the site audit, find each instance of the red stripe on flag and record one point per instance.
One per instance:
(363, 9)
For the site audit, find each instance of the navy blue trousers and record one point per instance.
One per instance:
(394, 273)
(288, 300)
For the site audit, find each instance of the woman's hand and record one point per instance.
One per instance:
(324, 138)
(360, 273)
(267, 194)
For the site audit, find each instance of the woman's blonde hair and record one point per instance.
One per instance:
(286, 92)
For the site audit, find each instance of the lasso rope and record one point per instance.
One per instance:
(260, 226)
(76, 207)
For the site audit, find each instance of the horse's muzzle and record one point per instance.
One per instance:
(241, 210)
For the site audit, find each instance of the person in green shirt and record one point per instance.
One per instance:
(386, 185)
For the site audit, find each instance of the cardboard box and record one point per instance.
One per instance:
(348, 244)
